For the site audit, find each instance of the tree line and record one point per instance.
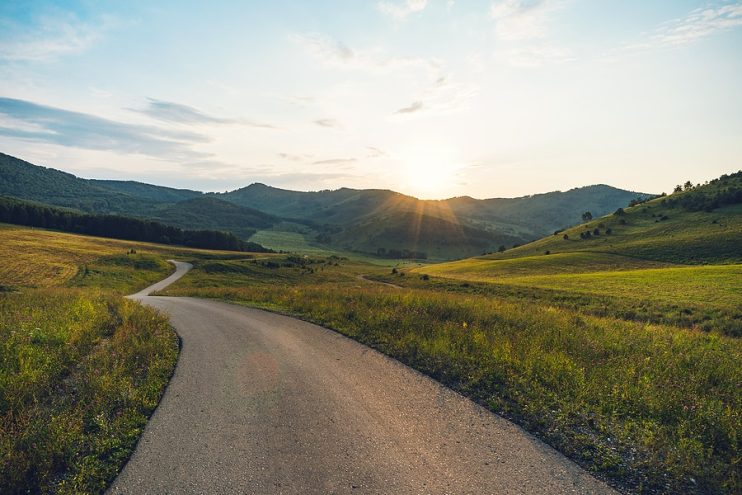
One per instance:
(118, 227)
(401, 254)
(728, 191)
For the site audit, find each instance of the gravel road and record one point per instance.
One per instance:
(263, 403)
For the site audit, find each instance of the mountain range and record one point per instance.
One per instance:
(374, 221)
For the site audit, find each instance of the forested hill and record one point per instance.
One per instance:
(176, 207)
(371, 221)
(375, 220)
(118, 227)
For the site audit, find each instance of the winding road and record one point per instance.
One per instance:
(263, 403)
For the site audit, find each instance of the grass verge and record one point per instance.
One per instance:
(654, 408)
(80, 373)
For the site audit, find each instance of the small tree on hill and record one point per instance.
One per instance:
(688, 186)
(502, 249)
(565, 237)
(587, 216)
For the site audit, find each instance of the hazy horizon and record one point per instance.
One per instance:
(430, 98)
(355, 188)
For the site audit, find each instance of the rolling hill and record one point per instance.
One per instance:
(159, 194)
(210, 212)
(176, 207)
(24, 180)
(371, 221)
(675, 248)
(699, 225)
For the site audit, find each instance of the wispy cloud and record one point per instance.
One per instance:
(698, 24)
(445, 96)
(401, 9)
(332, 123)
(335, 161)
(375, 152)
(335, 53)
(178, 113)
(50, 38)
(415, 106)
(523, 19)
(292, 157)
(81, 130)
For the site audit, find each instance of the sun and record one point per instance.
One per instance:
(430, 172)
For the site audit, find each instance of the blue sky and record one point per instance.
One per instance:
(435, 98)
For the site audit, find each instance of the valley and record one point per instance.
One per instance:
(371, 222)
(620, 348)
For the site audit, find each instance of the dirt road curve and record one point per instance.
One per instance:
(262, 403)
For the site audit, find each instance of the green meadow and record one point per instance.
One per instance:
(621, 348)
(81, 368)
(655, 408)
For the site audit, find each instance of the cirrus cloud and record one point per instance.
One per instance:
(400, 10)
(54, 125)
(523, 19)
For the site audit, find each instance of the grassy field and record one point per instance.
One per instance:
(43, 258)
(620, 348)
(81, 368)
(654, 262)
(295, 242)
(300, 243)
(654, 408)
(80, 373)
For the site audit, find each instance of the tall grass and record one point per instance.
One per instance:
(700, 298)
(655, 408)
(80, 372)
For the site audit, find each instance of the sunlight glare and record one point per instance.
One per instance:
(430, 172)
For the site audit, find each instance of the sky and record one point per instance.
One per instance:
(433, 98)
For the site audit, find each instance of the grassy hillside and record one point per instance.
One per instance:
(661, 229)
(32, 258)
(655, 408)
(649, 262)
(546, 212)
(81, 368)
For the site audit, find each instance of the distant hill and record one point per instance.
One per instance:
(24, 180)
(212, 213)
(21, 212)
(699, 225)
(176, 207)
(159, 194)
(371, 221)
